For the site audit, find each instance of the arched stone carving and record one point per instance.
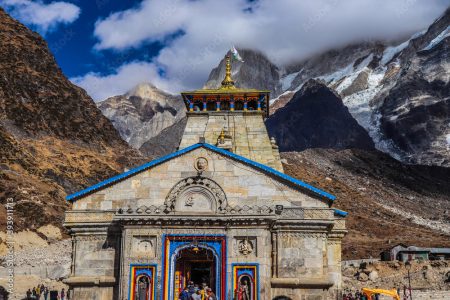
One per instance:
(199, 194)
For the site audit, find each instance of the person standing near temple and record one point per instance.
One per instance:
(63, 294)
(45, 293)
(28, 294)
(203, 291)
(184, 295)
(38, 292)
(196, 295)
(210, 294)
(191, 288)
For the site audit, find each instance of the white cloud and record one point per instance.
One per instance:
(285, 30)
(44, 16)
(100, 87)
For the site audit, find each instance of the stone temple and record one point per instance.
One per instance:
(218, 211)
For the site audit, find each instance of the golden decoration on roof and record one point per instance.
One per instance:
(227, 97)
(227, 82)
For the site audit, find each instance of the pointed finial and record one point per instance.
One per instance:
(222, 137)
(227, 82)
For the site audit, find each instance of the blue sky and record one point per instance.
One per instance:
(108, 46)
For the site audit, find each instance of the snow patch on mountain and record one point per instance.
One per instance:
(348, 73)
(390, 52)
(438, 39)
(272, 101)
(418, 34)
(286, 81)
(359, 105)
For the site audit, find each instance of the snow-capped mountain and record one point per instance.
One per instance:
(399, 93)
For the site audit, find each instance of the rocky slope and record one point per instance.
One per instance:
(167, 141)
(316, 118)
(388, 202)
(53, 139)
(429, 279)
(255, 72)
(141, 114)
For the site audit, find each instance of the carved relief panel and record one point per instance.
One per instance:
(143, 246)
(245, 246)
(197, 195)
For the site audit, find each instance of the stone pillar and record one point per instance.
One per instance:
(95, 267)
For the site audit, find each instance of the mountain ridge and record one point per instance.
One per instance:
(142, 113)
(53, 138)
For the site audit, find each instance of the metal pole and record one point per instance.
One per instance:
(409, 280)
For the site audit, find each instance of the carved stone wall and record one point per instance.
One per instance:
(300, 254)
(95, 266)
(216, 196)
(247, 132)
(242, 185)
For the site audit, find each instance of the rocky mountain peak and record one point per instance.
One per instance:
(36, 97)
(147, 90)
(257, 72)
(142, 113)
(316, 118)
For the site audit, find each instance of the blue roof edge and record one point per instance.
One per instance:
(340, 213)
(160, 160)
(272, 171)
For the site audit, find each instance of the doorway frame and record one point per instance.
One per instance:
(173, 243)
(246, 269)
(136, 270)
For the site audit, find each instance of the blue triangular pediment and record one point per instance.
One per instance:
(265, 169)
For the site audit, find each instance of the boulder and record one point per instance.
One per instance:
(363, 277)
(373, 276)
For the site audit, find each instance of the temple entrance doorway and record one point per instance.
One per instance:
(197, 265)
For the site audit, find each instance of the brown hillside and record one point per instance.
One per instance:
(53, 139)
(388, 202)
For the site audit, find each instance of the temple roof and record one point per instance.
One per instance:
(224, 91)
(263, 168)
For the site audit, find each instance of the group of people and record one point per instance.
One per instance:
(194, 292)
(44, 293)
(357, 296)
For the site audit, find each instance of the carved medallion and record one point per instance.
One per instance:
(201, 164)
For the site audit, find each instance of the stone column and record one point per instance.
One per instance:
(94, 268)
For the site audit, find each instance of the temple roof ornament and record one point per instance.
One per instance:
(227, 97)
(227, 82)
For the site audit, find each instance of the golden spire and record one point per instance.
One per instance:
(227, 82)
